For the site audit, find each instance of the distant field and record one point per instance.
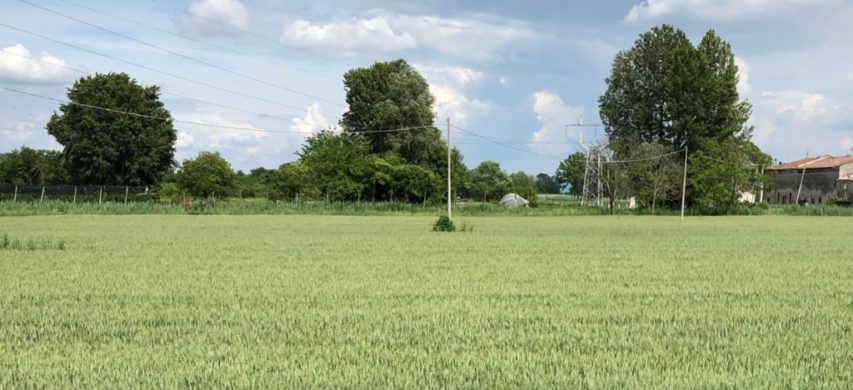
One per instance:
(331, 301)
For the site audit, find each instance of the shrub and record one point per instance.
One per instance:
(443, 224)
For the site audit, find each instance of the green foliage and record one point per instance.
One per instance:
(571, 172)
(168, 191)
(391, 95)
(666, 91)
(339, 164)
(26, 166)
(257, 184)
(109, 148)
(525, 186)
(723, 170)
(414, 184)
(444, 224)
(546, 184)
(206, 175)
(294, 179)
(377, 302)
(487, 182)
(653, 179)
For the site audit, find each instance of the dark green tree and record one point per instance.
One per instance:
(294, 180)
(653, 178)
(340, 163)
(27, 166)
(524, 185)
(666, 91)
(488, 182)
(571, 171)
(106, 147)
(207, 175)
(546, 184)
(392, 95)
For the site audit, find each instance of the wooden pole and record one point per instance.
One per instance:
(15, 197)
(761, 194)
(100, 194)
(42, 194)
(126, 190)
(684, 186)
(800, 189)
(449, 195)
(75, 195)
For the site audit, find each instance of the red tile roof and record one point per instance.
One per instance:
(820, 162)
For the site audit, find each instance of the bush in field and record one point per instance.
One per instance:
(444, 224)
(206, 175)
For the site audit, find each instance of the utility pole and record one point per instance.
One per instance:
(449, 167)
(800, 189)
(684, 185)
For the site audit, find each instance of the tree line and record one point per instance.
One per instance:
(388, 149)
(664, 97)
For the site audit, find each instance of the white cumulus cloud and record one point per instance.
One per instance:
(449, 75)
(313, 121)
(211, 16)
(454, 104)
(14, 65)
(716, 10)
(743, 80)
(801, 105)
(553, 114)
(184, 140)
(473, 37)
(349, 36)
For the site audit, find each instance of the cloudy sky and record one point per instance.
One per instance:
(510, 71)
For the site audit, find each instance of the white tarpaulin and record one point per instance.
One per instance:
(512, 201)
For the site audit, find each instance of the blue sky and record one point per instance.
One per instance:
(513, 71)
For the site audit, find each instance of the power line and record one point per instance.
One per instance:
(155, 70)
(165, 93)
(246, 32)
(505, 145)
(181, 55)
(196, 123)
(200, 41)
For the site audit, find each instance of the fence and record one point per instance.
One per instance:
(15, 193)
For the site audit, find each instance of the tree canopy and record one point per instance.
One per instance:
(26, 166)
(667, 92)
(109, 147)
(392, 95)
(206, 175)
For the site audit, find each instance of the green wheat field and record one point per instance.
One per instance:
(337, 301)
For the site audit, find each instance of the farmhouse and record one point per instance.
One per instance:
(816, 180)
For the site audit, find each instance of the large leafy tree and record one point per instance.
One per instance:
(207, 175)
(524, 185)
(339, 162)
(487, 181)
(571, 171)
(387, 96)
(111, 146)
(546, 184)
(666, 91)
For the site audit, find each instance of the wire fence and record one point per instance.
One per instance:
(73, 193)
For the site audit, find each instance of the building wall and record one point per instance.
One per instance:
(818, 185)
(846, 171)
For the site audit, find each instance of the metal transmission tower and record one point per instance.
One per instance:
(593, 167)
